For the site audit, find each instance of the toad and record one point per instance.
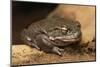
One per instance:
(52, 33)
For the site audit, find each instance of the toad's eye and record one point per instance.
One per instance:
(64, 28)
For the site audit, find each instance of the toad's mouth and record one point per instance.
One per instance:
(67, 38)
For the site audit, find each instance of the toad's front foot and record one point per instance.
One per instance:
(58, 51)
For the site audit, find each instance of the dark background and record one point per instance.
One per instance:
(25, 13)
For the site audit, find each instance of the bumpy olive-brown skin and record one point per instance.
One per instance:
(50, 33)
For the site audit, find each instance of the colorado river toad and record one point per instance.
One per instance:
(52, 33)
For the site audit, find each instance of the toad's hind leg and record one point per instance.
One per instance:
(28, 40)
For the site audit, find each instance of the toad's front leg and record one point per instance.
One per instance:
(50, 44)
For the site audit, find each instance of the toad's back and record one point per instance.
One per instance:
(49, 23)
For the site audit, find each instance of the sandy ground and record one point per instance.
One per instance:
(23, 54)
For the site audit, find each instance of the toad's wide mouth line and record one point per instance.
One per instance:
(72, 40)
(67, 39)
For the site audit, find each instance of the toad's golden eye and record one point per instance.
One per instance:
(64, 28)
